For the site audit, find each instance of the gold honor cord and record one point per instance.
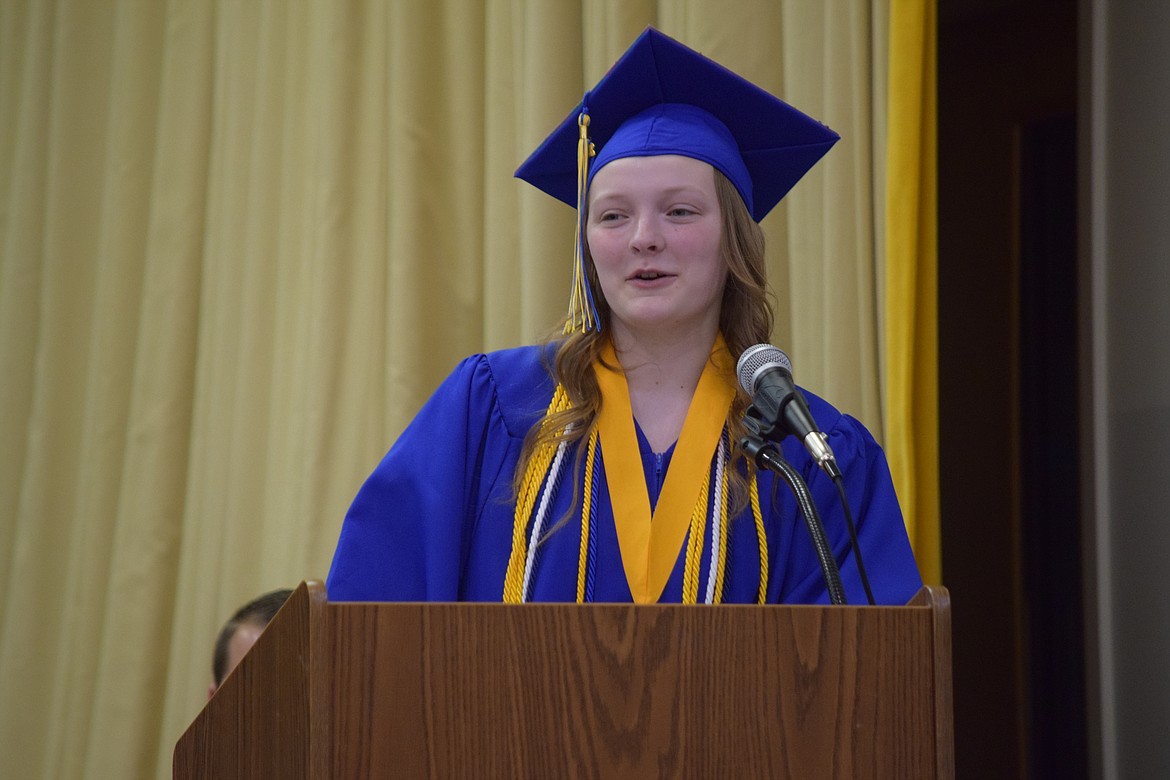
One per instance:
(650, 545)
(583, 554)
(761, 539)
(538, 467)
(690, 587)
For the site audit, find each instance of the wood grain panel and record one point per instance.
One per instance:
(614, 691)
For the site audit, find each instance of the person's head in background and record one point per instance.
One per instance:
(241, 632)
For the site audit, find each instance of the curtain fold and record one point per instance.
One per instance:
(831, 263)
(911, 331)
(241, 243)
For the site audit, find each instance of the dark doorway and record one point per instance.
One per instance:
(1008, 384)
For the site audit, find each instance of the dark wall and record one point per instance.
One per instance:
(1008, 368)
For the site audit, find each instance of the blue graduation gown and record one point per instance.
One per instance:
(434, 521)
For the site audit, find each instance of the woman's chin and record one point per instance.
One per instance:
(660, 325)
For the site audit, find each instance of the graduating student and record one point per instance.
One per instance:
(605, 466)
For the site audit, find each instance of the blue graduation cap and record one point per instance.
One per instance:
(662, 98)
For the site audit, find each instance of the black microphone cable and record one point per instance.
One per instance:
(840, 483)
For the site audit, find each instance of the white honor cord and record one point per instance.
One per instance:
(541, 512)
(716, 518)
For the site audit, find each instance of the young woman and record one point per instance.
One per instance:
(605, 465)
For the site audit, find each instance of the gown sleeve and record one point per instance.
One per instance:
(881, 531)
(406, 534)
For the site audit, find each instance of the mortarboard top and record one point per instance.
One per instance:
(662, 97)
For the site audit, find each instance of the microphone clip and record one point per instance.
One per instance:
(760, 450)
(772, 428)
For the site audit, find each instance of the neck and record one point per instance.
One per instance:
(662, 373)
(674, 349)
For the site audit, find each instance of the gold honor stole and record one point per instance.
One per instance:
(650, 545)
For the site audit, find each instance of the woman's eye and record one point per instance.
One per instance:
(680, 212)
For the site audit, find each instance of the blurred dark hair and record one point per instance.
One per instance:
(258, 612)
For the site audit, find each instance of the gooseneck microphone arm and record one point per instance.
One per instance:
(765, 455)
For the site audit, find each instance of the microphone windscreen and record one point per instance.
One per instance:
(757, 359)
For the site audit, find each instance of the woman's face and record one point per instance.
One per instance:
(654, 233)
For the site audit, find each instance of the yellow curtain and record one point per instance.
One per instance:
(240, 243)
(911, 330)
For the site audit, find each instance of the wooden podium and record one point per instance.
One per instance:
(352, 690)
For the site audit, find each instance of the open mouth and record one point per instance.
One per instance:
(648, 276)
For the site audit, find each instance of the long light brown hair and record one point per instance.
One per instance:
(745, 318)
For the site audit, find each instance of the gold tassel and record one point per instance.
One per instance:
(582, 312)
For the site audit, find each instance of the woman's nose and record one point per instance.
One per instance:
(646, 236)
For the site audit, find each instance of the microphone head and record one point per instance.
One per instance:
(758, 359)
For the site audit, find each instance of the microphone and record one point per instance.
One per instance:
(765, 372)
